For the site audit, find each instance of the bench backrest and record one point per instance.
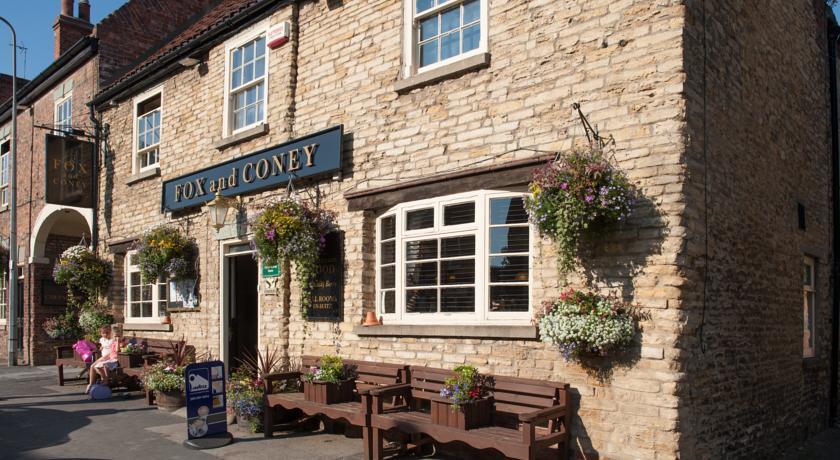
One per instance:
(368, 374)
(426, 383)
(162, 347)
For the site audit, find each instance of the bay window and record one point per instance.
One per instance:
(458, 259)
(145, 301)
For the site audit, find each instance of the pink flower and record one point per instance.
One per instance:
(564, 186)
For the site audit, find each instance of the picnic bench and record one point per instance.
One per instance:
(369, 375)
(529, 415)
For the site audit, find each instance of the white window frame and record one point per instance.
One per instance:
(411, 47)
(136, 151)
(481, 229)
(155, 318)
(63, 126)
(4, 294)
(5, 170)
(250, 34)
(809, 296)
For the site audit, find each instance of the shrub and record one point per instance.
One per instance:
(332, 370)
(85, 275)
(65, 326)
(164, 377)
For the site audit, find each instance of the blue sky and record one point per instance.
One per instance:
(33, 21)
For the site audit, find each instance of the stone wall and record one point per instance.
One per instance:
(758, 144)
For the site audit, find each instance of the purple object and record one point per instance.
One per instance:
(100, 392)
(85, 349)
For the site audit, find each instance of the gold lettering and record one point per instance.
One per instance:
(232, 179)
(212, 186)
(199, 184)
(178, 191)
(222, 184)
(309, 150)
(294, 160)
(189, 191)
(246, 174)
(263, 168)
(56, 164)
(279, 164)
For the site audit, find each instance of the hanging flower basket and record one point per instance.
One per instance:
(91, 320)
(164, 252)
(85, 275)
(586, 323)
(63, 327)
(292, 231)
(579, 195)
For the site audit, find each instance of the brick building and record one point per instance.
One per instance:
(721, 114)
(54, 103)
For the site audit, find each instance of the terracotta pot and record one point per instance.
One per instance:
(165, 319)
(170, 400)
(371, 320)
(468, 416)
(329, 393)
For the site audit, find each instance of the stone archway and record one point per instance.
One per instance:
(58, 220)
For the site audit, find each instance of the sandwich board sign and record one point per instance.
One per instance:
(205, 395)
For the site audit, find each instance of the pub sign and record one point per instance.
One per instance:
(69, 171)
(315, 154)
(328, 286)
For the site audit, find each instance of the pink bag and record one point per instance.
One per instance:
(85, 349)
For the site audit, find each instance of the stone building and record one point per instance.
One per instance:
(53, 110)
(720, 113)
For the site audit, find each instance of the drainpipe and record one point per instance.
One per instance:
(834, 378)
(97, 129)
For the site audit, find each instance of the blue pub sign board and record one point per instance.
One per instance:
(312, 155)
(205, 385)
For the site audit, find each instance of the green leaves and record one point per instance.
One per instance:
(165, 252)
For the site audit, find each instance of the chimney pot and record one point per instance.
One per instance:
(67, 7)
(84, 10)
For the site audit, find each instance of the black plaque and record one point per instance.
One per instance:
(52, 294)
(328, 287)
(69, 171)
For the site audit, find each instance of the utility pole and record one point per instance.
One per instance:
(12, 287)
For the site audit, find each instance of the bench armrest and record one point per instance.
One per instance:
(542, 415)
(61, 351)
(390, 390)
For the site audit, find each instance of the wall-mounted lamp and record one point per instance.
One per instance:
(219, 208)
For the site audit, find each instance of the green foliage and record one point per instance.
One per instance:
(92, 320)
(245, 396)
(579, 195)
(586, 322)
(85, 275)
(291, 231)
(165, 253)
(64, 326)
(332, 370)
(466, 387)
(164, 377)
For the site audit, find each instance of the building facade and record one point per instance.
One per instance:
(720, 114)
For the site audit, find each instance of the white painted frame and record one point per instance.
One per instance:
(251, 33)
(63, 130)
(135, 152)
(155, 318)
(481, 230)
(809, 290)
(411, 49)
(4, 291)
(224, 298)
(5, 169)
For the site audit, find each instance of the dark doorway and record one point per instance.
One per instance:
(242, 288)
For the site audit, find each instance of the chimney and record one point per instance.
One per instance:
(67, 29)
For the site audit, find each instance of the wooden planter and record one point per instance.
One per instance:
(329, 393)
(170, 400)
(129, 360)
(466, 417)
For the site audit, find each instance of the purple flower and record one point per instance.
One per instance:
(270, 234)
(589, 198)
(564, 186)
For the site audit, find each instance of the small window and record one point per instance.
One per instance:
(808, 305)
(247, 84)
(4, 172)
(440, 31)
(420, 219)
(4, 291)
(147, 142)
(145, 302)
(459, 214)
(387, 264)
(64, 115)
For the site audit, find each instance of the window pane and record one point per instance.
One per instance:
(161, 308)
(135, 293)
(424, 274)
(508, 298)
(388, 253)
(423, 5)
(422, 218)
(508, 239)
(507, 211)
(260, 46)
(428, 28)
(428, 53)
(236, 79)
(387, 227)
(458, 214)
(259, 68)
(251, 115)
(249, 52)
(419, 250)
(508, 269)
(806, 274)
(247, 73)
(461, 271)
(421, 301)
(239, 119)
(147, 309)
(237, 58)
(472, 11)
(458, 246)
(387, 277)
(135, 310)
(450, 20)
(472, 37)
(450, 45)
(457, 299)
(146, 293)
(388, 304)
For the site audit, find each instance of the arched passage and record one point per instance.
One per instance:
(56, 220)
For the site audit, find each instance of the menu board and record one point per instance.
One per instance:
(328, 287)
(205, 385)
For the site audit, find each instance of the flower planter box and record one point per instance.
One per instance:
(129, 360)
(468, 416)
(329, 393)
(170, 400)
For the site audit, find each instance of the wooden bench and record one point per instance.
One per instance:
(67, 356)
(155, 351)
(529, 415)
(369, 375)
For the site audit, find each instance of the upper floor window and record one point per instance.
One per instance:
(64, 114)
(4, 292)
(462, 258)
(145, 302)
(5, 165)
(147, 111)
(441, 31)
(808, 300)
(247, 64)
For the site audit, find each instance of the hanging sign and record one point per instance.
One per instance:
(69, 174)
(328, 286)
(312, 155)
(205, 384)
(270, 271)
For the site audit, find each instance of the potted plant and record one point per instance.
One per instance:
(465, 403)
(131, 355)
(292, 231)
(167, 381)
(246, 388)
(581, 322)
(578, 195)
(331, 383)
(164, 252)
(85, 275)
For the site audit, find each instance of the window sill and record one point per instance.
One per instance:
(242, 136)
(444, 72)
(4, 208)
(183, 310)
(147, 327)
(142, 175)
(472, 332)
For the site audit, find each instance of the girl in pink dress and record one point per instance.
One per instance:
(110, 347)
